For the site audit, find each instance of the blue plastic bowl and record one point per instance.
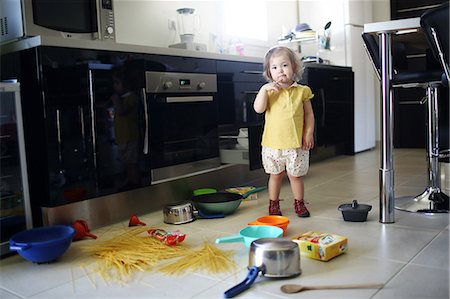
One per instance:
(42, 244)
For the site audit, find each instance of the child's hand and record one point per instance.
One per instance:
(308, 142)
(272, 86)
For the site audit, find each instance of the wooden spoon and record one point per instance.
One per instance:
(296, 288)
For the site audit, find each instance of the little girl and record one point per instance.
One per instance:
(289, 126)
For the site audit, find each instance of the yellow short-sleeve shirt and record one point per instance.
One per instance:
(284, 117)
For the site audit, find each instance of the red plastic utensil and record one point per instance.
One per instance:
(134, 221)
(82, 230)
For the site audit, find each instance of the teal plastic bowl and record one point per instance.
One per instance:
(252, 233)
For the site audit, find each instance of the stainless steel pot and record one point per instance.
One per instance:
(179, 213)
(184, 212)
(273, 257)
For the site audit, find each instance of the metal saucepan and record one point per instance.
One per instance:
(273, 257)
(220, 202)
(184, 212)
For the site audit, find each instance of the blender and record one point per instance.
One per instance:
(188, 25)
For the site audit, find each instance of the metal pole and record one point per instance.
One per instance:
(386, 173)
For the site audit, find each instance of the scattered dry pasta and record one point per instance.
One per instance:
(134, 250)
(131, 251)
(209, 258)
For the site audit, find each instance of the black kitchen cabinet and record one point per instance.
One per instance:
(333, 105)
(401, 9)
(238, 84)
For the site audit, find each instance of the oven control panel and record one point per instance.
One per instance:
(166, 82)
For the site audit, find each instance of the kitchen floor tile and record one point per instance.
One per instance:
(409, 256)
(415, 281)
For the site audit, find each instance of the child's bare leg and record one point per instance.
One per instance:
(275, 181)
(298, 191)
(297, 186)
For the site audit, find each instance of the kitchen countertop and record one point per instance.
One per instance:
(410, 256)
(36, 41)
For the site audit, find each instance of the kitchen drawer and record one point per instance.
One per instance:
(240, 71)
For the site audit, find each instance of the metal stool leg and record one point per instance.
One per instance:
(432, 199)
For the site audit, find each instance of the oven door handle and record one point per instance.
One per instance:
(189, 99)
(144, 98)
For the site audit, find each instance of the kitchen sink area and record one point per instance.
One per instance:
(409, 257)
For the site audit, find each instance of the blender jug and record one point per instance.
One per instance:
(188, 24)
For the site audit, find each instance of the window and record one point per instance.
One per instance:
(246, 19)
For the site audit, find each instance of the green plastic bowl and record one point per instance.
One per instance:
(204, 191)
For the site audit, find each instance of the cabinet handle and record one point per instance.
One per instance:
(58, 135)
(83, 130)
(425, 7)
(252, 72)
(93, 127)
(322, 93)
(144, 98)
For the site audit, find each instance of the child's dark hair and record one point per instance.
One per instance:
(281, 50)
(127, 76)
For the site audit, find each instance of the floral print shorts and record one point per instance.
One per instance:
(294, 160)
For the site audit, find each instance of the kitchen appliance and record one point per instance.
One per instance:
(83, 19)
(346, 49)
(188, 24)
(273, 257)
(183, 123)
(15, 208)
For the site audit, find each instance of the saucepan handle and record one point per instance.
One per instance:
(245, 284)
(230, 239)
(256, 190)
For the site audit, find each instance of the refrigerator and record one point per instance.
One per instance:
(346, 49)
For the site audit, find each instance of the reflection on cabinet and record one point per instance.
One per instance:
(240, 127)
(15, 212)
(333, 105)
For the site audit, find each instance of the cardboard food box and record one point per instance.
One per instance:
(321, 246)
(243, 190)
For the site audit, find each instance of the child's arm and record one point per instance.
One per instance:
(308, 129)
(260, 104)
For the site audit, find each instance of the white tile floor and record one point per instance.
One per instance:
(410, 256)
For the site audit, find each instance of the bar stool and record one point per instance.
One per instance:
(432, 200)
(435, 25)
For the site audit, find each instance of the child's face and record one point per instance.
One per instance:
(281, 69)
(117, 85)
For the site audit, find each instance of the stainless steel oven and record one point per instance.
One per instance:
(183, 123)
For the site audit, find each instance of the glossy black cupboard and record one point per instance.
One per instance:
(333, 105)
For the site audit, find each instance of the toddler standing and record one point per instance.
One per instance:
(289, 126)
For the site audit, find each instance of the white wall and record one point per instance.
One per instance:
(145, 22)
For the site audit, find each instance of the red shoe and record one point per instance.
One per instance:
(274, 207)
(300, 208)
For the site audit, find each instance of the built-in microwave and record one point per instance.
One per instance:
(76, 19)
